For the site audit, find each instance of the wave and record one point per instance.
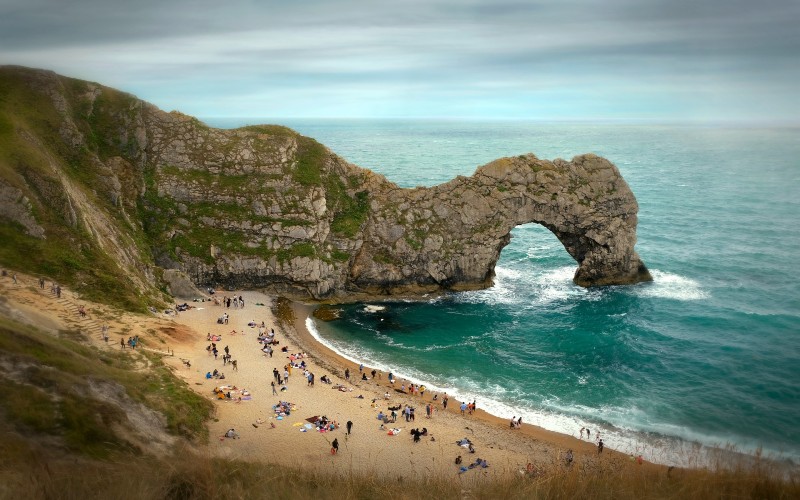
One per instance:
(519, 288)
(671, 286)
(625, 429)
(373, 309)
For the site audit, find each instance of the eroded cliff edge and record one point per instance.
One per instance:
(263, 206)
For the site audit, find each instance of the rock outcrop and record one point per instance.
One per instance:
(263, 206)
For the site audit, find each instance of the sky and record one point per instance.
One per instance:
(611, 60)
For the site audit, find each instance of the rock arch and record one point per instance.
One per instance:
(450, 236)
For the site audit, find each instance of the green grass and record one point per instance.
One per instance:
(55, 398)
(352, 215)
(89, 270)
(310, 158)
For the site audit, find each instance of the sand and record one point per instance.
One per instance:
(368, 450)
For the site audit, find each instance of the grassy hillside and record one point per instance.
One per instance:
(52, 166)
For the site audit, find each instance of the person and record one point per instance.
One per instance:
(639, 460)
(600, 446)
(274, 392)
(349, 427)
(463, 407)
(335, 447)
(363, 376)
(569, 457)
(582, 429)
(513, 422)
(381, 416)
(458, 460)
(232, 434)
(588, 433)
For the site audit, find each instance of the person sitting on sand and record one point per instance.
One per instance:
(232, 434)
(381, 416)
(386, 395)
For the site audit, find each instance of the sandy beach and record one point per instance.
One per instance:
(369, 448)
(263, 436)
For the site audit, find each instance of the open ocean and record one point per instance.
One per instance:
(706, 355)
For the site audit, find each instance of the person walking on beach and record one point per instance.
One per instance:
(274, 392)
(347, 374)
(463, 407)
(600, 446)
(582, 429)
(335, 447)
(349, 427)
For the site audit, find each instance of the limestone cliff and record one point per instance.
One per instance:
(263, 206)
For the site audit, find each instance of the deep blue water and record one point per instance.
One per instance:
(709, 353)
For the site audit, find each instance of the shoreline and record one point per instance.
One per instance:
(369, 451)
(559, 441)
(692, 458)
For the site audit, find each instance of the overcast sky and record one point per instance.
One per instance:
(671, 60)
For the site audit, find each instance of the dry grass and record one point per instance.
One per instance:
(28, 474)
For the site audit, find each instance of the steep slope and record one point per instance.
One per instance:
(99, 185)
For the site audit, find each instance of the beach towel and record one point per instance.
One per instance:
(312, 419)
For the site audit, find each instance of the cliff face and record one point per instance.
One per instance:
(265, 207)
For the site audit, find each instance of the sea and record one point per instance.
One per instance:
(704, 358)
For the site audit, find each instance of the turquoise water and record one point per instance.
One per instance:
(708, 354)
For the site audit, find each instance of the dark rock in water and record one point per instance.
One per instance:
(327, 313)
(106, 174)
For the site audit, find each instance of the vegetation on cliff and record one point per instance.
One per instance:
(103, 191)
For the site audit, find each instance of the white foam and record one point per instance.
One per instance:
(373, 309)
(627, 430)
(670, 286)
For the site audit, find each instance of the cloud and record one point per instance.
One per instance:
(322, 58)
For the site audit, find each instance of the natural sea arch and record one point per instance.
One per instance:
(450, 236)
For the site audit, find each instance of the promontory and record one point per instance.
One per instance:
(105, 191)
